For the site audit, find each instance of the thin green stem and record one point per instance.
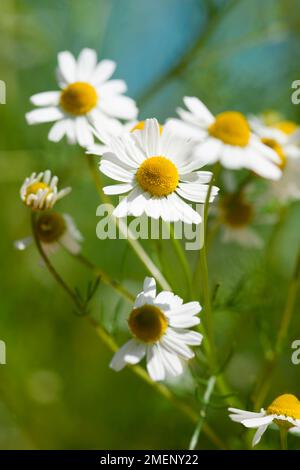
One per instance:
(106, 338)
(135, 245)
(206, 400)
(104, 277)
(283, 438)
(287, 314)
(183, 261)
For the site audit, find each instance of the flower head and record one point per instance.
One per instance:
(157, 171)
(284, 138)
(39, 191)
(283, 411)
(87, 97)
(54, 230)
(226, 138)
(160, 326)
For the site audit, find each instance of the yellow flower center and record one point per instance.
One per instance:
(78, 98)
(50, 227)
(236, 212)
(288, 127)
(274, 145)
(286, 405)
(232, 128)
(158, 176)
(34, 188)
(140, 126)
(147, 323)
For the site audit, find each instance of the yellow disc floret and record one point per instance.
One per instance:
(232, 128)
(140, 126)
(288, 127)
(34, 188)
(274, 145)
(50, 227)
(286, 405)
(78, 98)
(147, 323)
(158, 176)
(235, 211)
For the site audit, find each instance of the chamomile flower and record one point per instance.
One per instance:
(284, 411)
(39, 191)
(87, 96)
(54, 231)
(284, 138)
(237, 215)
(225, 138)
(160, 326)
(157, 171)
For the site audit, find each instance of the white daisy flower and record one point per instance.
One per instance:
(87, 96)
(39, 191)
(284, 138)
(160, 328)
(54, 231)
(283, 411)
(237, 215)
(225, 138)
(157, 171)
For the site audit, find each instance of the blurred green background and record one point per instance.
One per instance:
(56, 390)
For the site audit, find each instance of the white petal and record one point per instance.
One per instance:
(257, 436)
(192, 338)
(196, 192)
(67, 66)
(186, 130)
(256, 422)
(117, 188)
(119, 106)
(47, 98)
(38, 116)
(116, 172)
(83, 132)
(58, 130)
(112, 87)
(149, 287)
(174, 346)
(208, 152)
(201, 177)
(187, 214)
(131, 352)
(183, 321)
(190, 308)
(198, 109)
(168, 300)
(103, 71)
(171, 362)
(86, 64)
(154, 363)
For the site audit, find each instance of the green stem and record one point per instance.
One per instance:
(283, 438)
(287, 314)
(135, 245)
(206, 399)
(186, 409)
(116, 285)
(183, 261)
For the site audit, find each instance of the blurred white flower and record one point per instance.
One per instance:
(39, 191)
(160, 327)
(225, 138)
(284, 138)
(54, 231)
(283, 411)
(87, 97)
(157, 171)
